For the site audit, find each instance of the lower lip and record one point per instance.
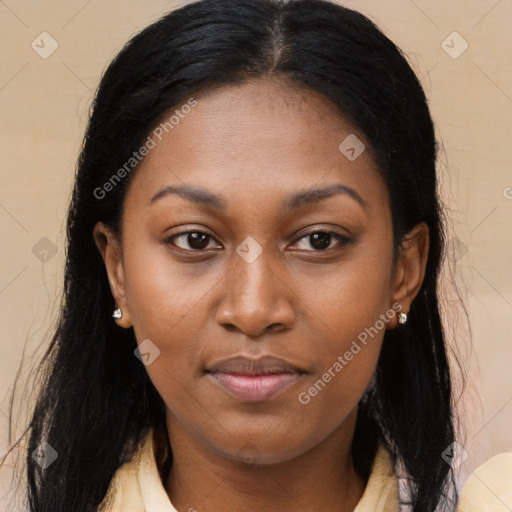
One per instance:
(254, 388)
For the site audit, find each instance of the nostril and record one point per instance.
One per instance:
(278, 326)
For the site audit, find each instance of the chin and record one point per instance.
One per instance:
(254, 452)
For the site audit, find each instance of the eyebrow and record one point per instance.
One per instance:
(205, 198)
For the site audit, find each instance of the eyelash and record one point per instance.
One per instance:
(342, 239)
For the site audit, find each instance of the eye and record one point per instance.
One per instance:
(191, 240)
(199, 241)
(322, 240)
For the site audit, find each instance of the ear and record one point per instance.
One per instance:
(410, 268)
(110, 248)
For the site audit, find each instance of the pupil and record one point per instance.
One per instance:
(196, 240)
(320, 240)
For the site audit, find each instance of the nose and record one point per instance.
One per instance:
(255, 299)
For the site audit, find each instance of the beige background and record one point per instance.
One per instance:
(44, 106)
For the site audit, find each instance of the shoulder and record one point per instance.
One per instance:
(489, 487)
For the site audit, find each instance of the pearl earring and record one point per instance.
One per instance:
(402, 318)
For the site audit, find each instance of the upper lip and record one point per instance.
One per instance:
(264, 365)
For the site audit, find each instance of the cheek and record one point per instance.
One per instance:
(346, 363)
(166, 305)
(346, 369)
(161, 293)
(349, 331)
(350, 298)
(352, 311)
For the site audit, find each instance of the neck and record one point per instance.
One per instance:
(322, 478)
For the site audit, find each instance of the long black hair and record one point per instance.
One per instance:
(96, 401)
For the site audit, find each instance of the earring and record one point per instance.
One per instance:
(117, 314)
(402, 318)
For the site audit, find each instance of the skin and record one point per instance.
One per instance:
(256, 144)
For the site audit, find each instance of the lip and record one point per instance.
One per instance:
(263, 365)
(255, 380)
(255, 388)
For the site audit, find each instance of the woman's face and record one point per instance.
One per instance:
(219, 260)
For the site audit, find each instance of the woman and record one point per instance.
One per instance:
(251, 319)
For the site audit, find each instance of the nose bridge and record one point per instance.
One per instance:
(251, 274)
(254, 297)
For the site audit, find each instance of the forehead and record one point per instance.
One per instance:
(262, 136)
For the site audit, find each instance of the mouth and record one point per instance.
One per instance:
(254, 380)
(255, 388)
